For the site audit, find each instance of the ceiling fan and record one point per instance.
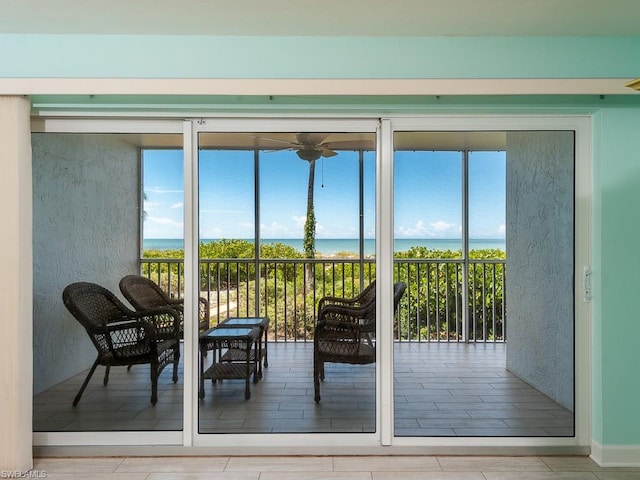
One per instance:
(312, 146)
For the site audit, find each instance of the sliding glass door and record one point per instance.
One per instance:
(107, 203)
(286, 219)
(253, 223)
(484, 235)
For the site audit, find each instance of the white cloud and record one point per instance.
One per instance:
(438, 229)
(162, 227)
(442, 226)
(177, 205)
(299, 221)
(161, 190)
(417, 231)
(502, 229)
(165, 221)
(275, 230)
(149, 206)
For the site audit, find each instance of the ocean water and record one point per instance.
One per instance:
(332, 246)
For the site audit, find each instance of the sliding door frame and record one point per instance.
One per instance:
(309, 441)
(581, 125)
(383, 441)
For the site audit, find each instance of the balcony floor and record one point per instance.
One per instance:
(440, 390)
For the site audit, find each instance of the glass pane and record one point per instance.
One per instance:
(87, 218)
(163, 200)
(227, 230)
(487, 229)
(428, 242)
(428, 203)
(305, 188)
(459, 371)
(487, 203)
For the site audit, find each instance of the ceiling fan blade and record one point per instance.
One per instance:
(327, 152)
(277, 140)
(283, 149)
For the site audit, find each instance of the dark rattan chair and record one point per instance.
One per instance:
(121, 336)
(143, 293)
(342, 334)
(365, 302)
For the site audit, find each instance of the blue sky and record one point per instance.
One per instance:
(427, 194)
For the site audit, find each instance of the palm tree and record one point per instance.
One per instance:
(309, 240)
(311, 148)
(309, 243)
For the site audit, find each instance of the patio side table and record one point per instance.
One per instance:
(236, 355)
(242, 339)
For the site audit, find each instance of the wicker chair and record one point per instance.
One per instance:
(144, 294)
(365, 301)
(342, 334)
(121, 336)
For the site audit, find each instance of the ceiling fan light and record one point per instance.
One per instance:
(635, 84)
(309, 154)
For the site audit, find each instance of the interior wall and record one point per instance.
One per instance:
(282, 57)
(615, 270)
(15, 287)
(616, 172)
(85, 228)
(540, 261)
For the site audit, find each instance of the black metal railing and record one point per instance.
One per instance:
(288, 290)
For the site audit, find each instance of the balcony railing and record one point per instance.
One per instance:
(288, 290)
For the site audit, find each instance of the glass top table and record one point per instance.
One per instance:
(261, 348)
(241, 339)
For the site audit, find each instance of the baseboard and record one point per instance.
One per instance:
(615, 455)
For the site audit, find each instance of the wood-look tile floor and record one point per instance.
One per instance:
(440, 390)
(329, 468)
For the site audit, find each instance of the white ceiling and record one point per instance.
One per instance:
(324, 17)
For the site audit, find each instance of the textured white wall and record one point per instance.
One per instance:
(85, 204)
(540, 261)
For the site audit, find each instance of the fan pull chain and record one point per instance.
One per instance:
(322, 174)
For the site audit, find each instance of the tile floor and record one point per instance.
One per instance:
(329, 468)
(440, 390)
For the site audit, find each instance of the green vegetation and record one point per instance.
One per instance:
(431, 307)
